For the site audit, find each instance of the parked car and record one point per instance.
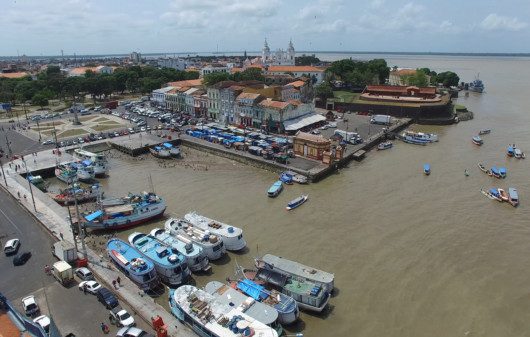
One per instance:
(121, 317)
(44, 322)
(21, 259)
(132, 332)
(30, 305)
(11, 247)
(84, 274)
(47, 142)
(315, 132)
(91, 286)
(107, 298)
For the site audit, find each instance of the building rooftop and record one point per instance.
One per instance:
(248, 95)
(297, 84)
(308, 69)
(269, 103)
(18, 74)
(311, 138)
(403, 90)
(185, 83)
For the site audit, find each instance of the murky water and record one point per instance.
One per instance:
(413, 255)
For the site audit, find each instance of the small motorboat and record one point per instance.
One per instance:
(296, 202)
(517, 153)
(426, 169)
(503, 194)
(484, 132)
(286, 178)
(482, 167)
(493, 194)
(384, 146)
(502, 172)
(297, 178)
(275, 189)
(466, 173)
(510, 151)
(477, 140)
(513, 197)
(495, 172)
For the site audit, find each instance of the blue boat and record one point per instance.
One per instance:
(174, 151)
(296, 202)
(286, 178)
(169, 263)
(495, 172)
(275, 189)
(477, 140)
(426, 169)
(510, 151)
(502, 172)
(140, 270)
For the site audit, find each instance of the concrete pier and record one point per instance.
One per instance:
(138, 143)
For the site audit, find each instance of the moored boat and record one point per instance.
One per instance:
(69, 195)
(99, 161)
(513, 197)
(195, 256)
(66, 173)
(426, 169)
(171, 266)
(502, 172)
(484, 131)
(85, 171)
(297, 202)
(510, 151)
(517, 153)
(231, 236)
(384, 146)
(211, 244)
(133, 264)
(411, 140)
(495, 172)
(160, 152)
(275, 189)
(429, 137)
(174, 151)
(503, 194)
(482, 167)
(477, 140)
(286, 178)
(38, 182)
(492, 193)
(296, 177)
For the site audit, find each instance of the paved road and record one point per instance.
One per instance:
(19, 143)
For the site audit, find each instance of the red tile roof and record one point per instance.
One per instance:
(186, 83)
(297, 84)
(269, 103)
(399, 89)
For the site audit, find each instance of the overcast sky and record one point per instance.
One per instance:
(45, 27)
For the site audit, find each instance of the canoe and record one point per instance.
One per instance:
(426, 169)
(296, 202)
(493, 194)
(477, 140)
(275, 189)
(503, 194)
(513, 197)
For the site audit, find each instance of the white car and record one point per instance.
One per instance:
(12, 246)
(30, 306)
(91, 286)
(121, 317)
(84, 274)
(132, 332)
(44, 322)
(332, 125)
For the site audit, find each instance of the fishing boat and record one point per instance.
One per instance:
(513, 197)
(257, 310)
(231, 236)
(66, 173)
(384, 146)
(484, 132)
(207, 316)
(492, 193)
(69, 195)
(174, 151)
(495, 172)
(428, 137)
(286, 178)
(297, 178)
(135, 210)
(85, 171)
(510, 151)
(518, 153)
(38, 182)
(503, 194)
(133, 264)
(502, 172)
(160, 152)
(211, 244)
(296, 202)
(414, 141)
(275, 189)
(297, 270)
(171, 266)
(477, 140)
(195, 256)
(99, 161)
(426, 169)
(482, 167)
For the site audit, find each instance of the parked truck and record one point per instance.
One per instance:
(63, 272)
(64, 251)
(381, 119)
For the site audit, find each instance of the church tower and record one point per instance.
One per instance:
(290, 51)
(266, 52)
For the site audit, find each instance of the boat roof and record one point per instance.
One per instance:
(188, 229)
(426, 165)
(502, 169)
(119, 208)
(298, 269)
(178, 242)
(231, 297)
(126, 254)
(518, 151)
(158, 252)
(196, 302)
(168, 145)
(206, 223)
(94, 216)
(252, 289)
(477, 138)
(87, 162)
(494, 191)
(513, 193)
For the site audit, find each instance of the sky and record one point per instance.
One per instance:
(45, 27)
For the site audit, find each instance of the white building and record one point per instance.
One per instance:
(297, 71)
(172, 62)
(159, 95)
(279, 57)
(214, 68)
(135, 57)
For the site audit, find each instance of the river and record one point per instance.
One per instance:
(413, 255)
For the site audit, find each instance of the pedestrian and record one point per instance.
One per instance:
(18, 193)
(25, 199)
(114, 284)
(61, 235)
(47, 269)
(118, 280)
(103, 327)
(84, 288)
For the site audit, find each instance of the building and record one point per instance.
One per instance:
(292, 90)
(310, 146)
(135, 57)
(316, 74)
(214, 68)
(81, 71)
(214, 98)
(200, 103)
(227, 108)
(185, 83)
(190, 101)
(274, 113)
(279, 57)
(172, 62)
(399, 76)
(159, 96)
(247, 111)
(395, 93)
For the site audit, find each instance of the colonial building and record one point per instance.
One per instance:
(247, 111)
(279, 57)
(214, 68)
(291, 90)
(310, 146)
(228, 98)
(274, 113)
(316, 74)
(159, 96)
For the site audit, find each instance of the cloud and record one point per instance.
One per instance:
(498, 22)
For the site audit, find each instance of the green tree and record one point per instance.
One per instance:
(419, 79)
(380, 68)
(324, 90)
(306, 60)
(213, 78)
(248, 75)
(448, 79)
(40, 100)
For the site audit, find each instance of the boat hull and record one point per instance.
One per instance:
(292, 205)
(124, 223)
(308, 307)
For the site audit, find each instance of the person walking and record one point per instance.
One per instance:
(118, 280)
(84, 288)
(114, 283)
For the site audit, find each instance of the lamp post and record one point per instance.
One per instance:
(30, 184)
(38, 128)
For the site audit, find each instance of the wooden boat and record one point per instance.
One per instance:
(426, 169)
(160, 152)
(517, 153)
(384, 146)
(510, 151)
(502, 172)
(484, 132)
(38, 182)
(495, 172)
(286, 178)
(68, 196)
(296, 202)
(493, 194)
(513, 197)
(297, 178)
(275, 189)
(503, 194)
(482, 167)
(477, 140)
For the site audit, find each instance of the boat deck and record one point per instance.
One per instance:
(299, 287)
(151, 248)
(298, 269)
(129, 254)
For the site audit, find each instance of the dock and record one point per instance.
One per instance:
(138, 143)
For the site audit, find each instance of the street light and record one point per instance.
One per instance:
(38, 128)
(30, 184)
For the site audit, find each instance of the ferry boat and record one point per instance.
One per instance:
(385, 146)
(174, 151)
(429, 137)
(513, 197)
(160, 152)
(492, 193)
(297, 270)
(132, 264)
(85, 171)
(285, 305)
(286, 178)
(197, 259)
(518, 153)
(296, 202)
(510, 151)
(170, 265)
(477, 140)
(502, 172)
(136, 209)
(66, 173)
(231, 236)
(275, 189)
(99, 161)
(208, 317)
(38, 182)
(414, 141)
(69, 195)
(503, 194)
(484, 132)
(231, 297)
(426, 169)
(211, 244)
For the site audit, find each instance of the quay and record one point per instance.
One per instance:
(138, 143)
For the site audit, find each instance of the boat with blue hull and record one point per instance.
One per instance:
(385, 146)
(286, 178)
(160, 152)
(510, 151)
(275, 189)
(295, 203)
(231, 236)
(476, 86)
(174, 151)
(140, 270)
(197, 259)
(171, 266)
(421, 136)
(411, 140)
(211, 244)
(426, 169)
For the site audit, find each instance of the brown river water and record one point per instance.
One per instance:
(413, 255)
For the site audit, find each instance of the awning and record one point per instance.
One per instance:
(94, 216)
(300, 122)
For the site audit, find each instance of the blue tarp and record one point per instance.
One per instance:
(168, 145)
(252, 289)
(94, 216)
(87, 162)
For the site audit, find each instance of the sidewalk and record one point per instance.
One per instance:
(55, 220)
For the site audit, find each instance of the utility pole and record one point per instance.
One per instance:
(3, 173)
(76, 251)
(8, 145)
(38, 128)
(30, 184)
(80, 231)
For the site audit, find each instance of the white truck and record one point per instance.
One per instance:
(381, 119)
(64, 251)
(63, 272)
(347, 136)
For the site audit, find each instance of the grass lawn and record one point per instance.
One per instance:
(72, 132)
(101, 119)
(49, 124)
(46, 133)
(103, 127)
(346, 96)
(86, 118)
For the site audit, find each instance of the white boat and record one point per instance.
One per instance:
(384, 146)
(211, 244)
(207, 316)
(85, 171)
(99, 161)
(514, 197)
(518, 153)
(231, 236)
(296, 202)
(429, 137)
(197, 259)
